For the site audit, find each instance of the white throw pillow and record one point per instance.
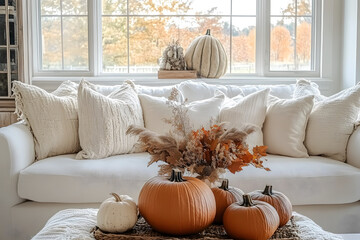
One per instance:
(331, 122)
(198, 90)
(285, 125)
(103, 120)
(51, 117)
(201, 113)
(306, 87)
(249, 110)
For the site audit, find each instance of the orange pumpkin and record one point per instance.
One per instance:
(276, 199)
(252, 220)
(224, 196)
(177, 205)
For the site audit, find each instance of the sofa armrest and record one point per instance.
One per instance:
(353, 149)
(16, 153)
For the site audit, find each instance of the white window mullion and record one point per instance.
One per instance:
(95, 36)
(128, 36)
(263, 54)
(62, 36)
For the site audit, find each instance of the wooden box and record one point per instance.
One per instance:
(184, 74)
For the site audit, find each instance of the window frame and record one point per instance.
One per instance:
(262, 62)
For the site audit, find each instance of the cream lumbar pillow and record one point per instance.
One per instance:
(158, 113)
(285, 125)
(250, 110)
(51, 117)
(331, 122)
(103, 120)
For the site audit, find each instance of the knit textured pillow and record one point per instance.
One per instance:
(103, 120)
(331, 122)
(51, 117)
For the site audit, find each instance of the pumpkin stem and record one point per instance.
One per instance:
(176, 176)
(207, 32)
(247, 201)
(268, 190)
(117, 197)
(225, 184)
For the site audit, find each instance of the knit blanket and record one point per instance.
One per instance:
(81, 224)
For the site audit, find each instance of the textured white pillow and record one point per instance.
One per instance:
(103, 120)
(51, 117)
(198, 90)
(249, 110)
(201, 113)
(285, 125)
(331, 122)
(306, 87)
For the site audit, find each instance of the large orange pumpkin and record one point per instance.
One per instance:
(224, 196)
(252, 220)
(276, 199)
(177, 205)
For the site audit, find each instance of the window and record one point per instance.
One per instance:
(261, 37)
(291, 35)
(64, 35)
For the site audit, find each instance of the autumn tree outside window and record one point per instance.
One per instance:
(133, 33)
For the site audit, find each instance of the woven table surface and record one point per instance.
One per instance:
(142, 230)
(81, 224)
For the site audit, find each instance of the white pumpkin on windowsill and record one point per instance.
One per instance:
(117, 214)
(207, 56)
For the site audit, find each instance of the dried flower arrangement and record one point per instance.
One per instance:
(206, 153)
(173, 57)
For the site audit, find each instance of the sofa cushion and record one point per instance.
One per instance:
(280, 91)
(51, 117)
(103, 120)
(198, 90)
(159, 114)
(250, 110)
(285, 125)
(314, 180)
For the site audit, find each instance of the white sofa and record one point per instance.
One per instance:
(326, 190)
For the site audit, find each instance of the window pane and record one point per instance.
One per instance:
(114, 7)
(183, 7)
(243, 45)
(114, 44)
(75, 43)
(244, 7)
(303, 43)
(3, 84)
(282, 7)
(51, 43)
(282, 44)
(74, 7)
(50, 7)
(304, 7)
(152, 34)
(2, 30)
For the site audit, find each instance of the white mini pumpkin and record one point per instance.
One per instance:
(117, 214)
(207, 56)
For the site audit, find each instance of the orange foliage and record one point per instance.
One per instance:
(280, 43)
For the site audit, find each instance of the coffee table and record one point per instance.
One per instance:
(352, 236)
(79, 223)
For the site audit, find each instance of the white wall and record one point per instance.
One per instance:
(331, 61)
(350, 43)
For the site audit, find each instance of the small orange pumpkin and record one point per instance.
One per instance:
(224, 196)
(252, 220)
(276, 199)
(177, 205)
